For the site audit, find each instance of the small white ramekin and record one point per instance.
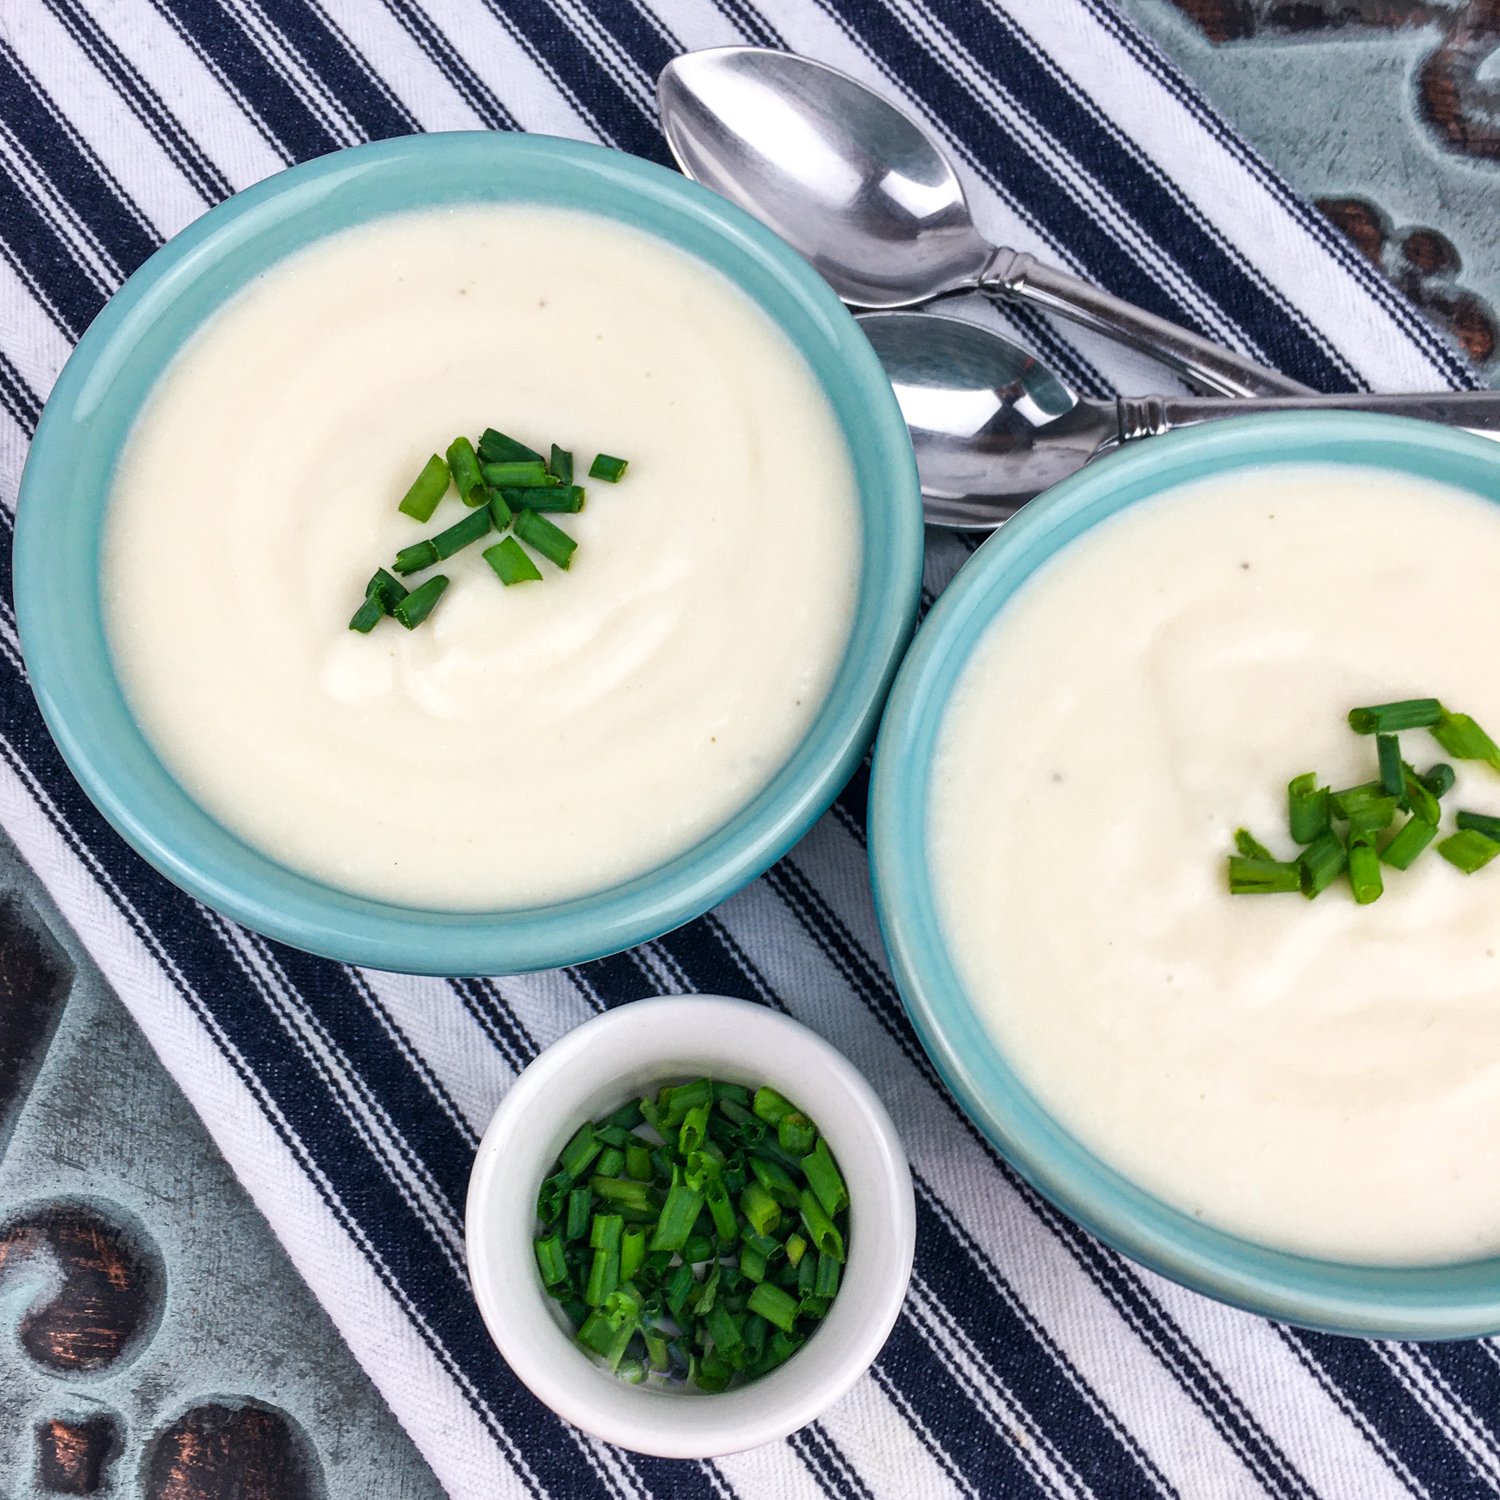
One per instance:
(593, 1070)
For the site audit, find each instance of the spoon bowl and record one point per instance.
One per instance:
(991, 427)
(849, 182)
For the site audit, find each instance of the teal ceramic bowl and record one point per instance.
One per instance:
(1449, 1301)
(100, 392)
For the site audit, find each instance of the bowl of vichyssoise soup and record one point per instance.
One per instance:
(467, 553)
(1183, 818)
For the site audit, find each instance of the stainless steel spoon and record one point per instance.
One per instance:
(869, 198)
(992, 428)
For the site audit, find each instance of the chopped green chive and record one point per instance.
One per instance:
(1409, 841)
(796, 1134)
(466, 475)
(567, 498)
(561, 465)
(773, 1304)
(678, 1215)
(459, 535)
(510, 562)
(542, 536)
(1250, 846)
(580, 1151)
(1469, 849)
(824, 1178)
(608, 468)
(416, 557)
(1364, 871)
(551, 1261)
(679, 1253)
(1439, 780)
(388, 591)
(1480, 823)
(1321, 863)
(1463, 739)
(1388, 718)
(496, 448)
(1388, 750)
(1417, 797)
(418, 604)
(501, 515)
(771, 1106)
(1249, 876)
(523, 474)
(367, 616)
(1307, 808)
(426, 490)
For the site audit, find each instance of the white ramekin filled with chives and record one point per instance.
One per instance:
(588, 1076)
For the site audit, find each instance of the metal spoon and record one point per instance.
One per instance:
(869, 198)
(992, 428)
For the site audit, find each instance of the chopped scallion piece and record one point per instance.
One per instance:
(565, 498)
(426, 490)
(1262, 877)
(1463, 739)
(796, 1134)
(1480, 823)
(416, 557)
(825, 1179)
(771, 1106)
(542, 536)
(561, 465)
(608, 468)
(459, 535)
(387, 590)
(1388, 750)
(1439, 780)
(510, 562)
(464, 463)
(420, 603)
(501, 515)
(1364, 871)
(1321, 863)
(1469, 849)
(1409, 841)
(367, 616)
(1307, 808)
(551, 1261)
(580, 1151)
(678, 1215)
(1417, 797)
(820, 1227)
(1250, 846)
(773, 1304)
(496, 448)
(522, 474)
(1388, 718)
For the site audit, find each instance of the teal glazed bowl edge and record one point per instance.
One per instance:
(1406, 1302)
(102, 388)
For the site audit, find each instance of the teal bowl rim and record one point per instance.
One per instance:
(66, 482)
(1409, 1302)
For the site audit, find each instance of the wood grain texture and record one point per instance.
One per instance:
(107, 1292)
(222, 1451)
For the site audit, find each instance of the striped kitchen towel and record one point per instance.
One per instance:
(1028, 1357)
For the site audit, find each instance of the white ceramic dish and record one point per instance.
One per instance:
(596, 1068)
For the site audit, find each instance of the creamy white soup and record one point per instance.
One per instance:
(526, 744)
(1314, 1075)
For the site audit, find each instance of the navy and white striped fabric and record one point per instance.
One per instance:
(1028, 1358)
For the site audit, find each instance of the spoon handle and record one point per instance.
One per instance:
(1016, 277)
(1149, 416)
